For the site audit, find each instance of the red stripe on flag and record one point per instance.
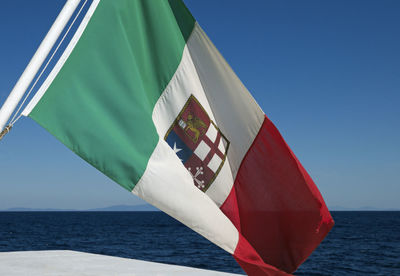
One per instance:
(251, 262)
(276, 206)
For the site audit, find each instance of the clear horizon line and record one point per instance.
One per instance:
(124, 207)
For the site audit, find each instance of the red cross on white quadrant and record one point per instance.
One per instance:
(214, 148)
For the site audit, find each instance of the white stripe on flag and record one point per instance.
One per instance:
(184, 83)
(168, 185)
(236, 112)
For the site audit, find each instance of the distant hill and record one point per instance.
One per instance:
(22, 209)
(149, 208)
(116, 208)
(126, 208)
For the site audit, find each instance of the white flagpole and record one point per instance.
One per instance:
(36, 62)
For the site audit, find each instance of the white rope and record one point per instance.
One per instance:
(14, 120)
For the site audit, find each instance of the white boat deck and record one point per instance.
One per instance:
(61, 263)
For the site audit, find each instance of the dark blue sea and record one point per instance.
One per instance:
(361, 243)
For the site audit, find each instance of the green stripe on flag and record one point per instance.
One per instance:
(100, 104)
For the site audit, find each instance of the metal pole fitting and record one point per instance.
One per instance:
(5, 131)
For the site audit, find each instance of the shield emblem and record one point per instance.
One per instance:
(198, 143)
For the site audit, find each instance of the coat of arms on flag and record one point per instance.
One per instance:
(198, 143)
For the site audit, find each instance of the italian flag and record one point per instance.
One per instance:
(143, 95)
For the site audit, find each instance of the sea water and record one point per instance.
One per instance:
(361, 243)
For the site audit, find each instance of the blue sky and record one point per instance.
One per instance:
(327, 73)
